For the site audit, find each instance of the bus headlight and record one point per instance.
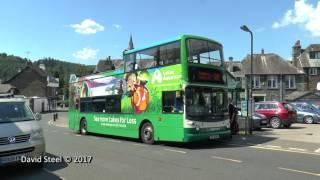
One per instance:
(228, 124)
(197, 127)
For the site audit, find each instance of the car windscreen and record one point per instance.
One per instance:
(14, 112)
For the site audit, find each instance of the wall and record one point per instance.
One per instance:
(38, 105)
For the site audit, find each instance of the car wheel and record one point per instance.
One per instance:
(147, 133)
(275, 123)
(308, 120)
(83, 127)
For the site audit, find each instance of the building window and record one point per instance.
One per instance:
(290, 82)
(313, 71)
(256, 82)
(315, 55)
(273, 81)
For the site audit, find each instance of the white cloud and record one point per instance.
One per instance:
(304, 14)
(117, 26)
(87, 26)
(86, 53)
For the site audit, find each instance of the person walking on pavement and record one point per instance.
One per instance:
(233, 117)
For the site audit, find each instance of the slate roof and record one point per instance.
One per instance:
(296, 94)
(267, 64)
(238, 64)
(106, 65)
(304, 59)
(41, 72)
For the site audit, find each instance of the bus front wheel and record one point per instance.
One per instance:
(147, 133)
(83, 127)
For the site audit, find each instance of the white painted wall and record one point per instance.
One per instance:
(38, 104)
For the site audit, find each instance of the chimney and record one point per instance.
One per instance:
(296, 51)
(262, 51)
(42, 66)
(230, 67)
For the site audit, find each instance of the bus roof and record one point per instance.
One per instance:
(184, 36)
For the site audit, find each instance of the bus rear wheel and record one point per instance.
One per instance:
(147, 133)
(83, 127)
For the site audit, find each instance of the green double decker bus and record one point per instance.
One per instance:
(174, 90)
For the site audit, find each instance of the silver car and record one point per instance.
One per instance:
(20, 133)
(306, 115)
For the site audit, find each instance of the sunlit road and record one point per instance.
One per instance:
(115, 158)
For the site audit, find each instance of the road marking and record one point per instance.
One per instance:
(317, 151)
(259, 146)
(226, 159)
(299, 171)
(112, 140)
(177, 151)
(46, 170)
(272, 146)
(285, 150)
(137, 144)
(50, 122)
(77, 135)
(297, 149)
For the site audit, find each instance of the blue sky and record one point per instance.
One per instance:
(85, 31)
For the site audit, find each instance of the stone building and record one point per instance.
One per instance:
(273, 77)
(35, 84)
(308, 60)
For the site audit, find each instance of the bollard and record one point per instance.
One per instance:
(54, 117)
(57, 116)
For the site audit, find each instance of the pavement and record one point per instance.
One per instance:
(244, 158)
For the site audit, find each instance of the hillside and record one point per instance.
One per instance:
(10, 65)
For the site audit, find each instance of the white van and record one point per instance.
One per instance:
(20, 132)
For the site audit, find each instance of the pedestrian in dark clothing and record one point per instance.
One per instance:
(233, 111)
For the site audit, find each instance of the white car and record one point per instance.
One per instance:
(20, 133)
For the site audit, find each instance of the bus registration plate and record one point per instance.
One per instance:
(214, 137)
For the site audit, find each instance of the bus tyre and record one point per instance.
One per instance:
(83, 127)
(147, 133)
(275, 123)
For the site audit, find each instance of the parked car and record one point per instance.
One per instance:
(279, 114)
(307, 107)
(20, 133)
(259, 120)
(306, 114)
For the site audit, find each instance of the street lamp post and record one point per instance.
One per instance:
(246, 29)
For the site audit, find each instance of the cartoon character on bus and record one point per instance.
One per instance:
(137, 91)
